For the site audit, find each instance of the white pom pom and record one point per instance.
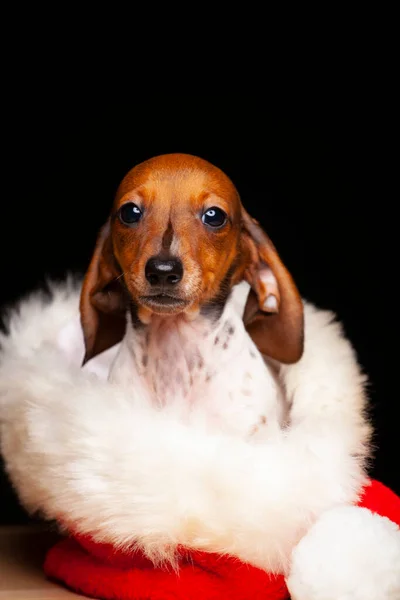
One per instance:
(349, 554)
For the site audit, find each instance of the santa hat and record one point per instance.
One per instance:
(118, 473)
(101, 571)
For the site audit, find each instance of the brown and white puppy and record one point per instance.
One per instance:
(177, 242)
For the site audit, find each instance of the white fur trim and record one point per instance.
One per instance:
(83, 452)
(349, 554)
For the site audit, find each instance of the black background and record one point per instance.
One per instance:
(324, 190)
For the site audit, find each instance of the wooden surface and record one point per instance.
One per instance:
(22, 550)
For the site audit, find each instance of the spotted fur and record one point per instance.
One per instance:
(206, 365)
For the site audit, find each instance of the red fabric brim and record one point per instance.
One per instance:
(201, 576)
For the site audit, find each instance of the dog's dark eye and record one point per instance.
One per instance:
(129, 213)
(214, 217)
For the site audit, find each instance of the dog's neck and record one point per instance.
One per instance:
(174, 354)
(209, 364)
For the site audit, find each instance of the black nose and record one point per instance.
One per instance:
(163, 272)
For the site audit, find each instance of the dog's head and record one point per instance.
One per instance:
(177, 240)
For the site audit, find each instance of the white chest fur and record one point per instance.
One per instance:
(209, 369)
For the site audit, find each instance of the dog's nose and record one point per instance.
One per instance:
(163, 272)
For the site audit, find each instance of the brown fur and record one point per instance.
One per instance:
(173, 192)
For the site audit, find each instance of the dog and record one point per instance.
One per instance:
(162, 282)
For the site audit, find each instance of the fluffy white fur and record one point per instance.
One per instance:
(349, 554)
(83, 452)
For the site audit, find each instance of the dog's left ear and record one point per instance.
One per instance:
(103, 300)
(273, 315)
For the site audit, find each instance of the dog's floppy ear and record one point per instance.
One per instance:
(102, 303)
(273, 315)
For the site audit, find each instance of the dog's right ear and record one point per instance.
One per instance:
(103, 301)
(273, 314)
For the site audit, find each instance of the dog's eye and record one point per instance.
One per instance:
(214, 217)
(129, 213)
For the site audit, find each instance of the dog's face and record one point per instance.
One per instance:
(175, 230)
(177, 240)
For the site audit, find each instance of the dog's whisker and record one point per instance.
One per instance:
(119, 276)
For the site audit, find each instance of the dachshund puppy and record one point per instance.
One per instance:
(163, 278)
